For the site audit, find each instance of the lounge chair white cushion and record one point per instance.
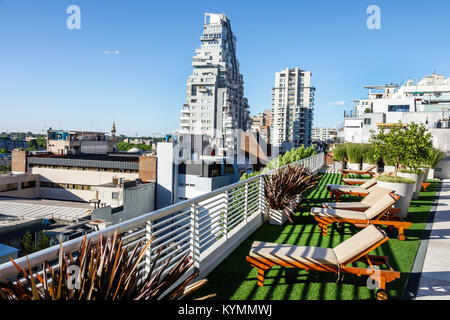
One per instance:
(369, 183)
(358, 243)
(349, 189)
(353, 205)
(354, 180)
(341, 254)
(364, 170)
(337, 213)
(383, 203)
(375, 194)
(292, 254)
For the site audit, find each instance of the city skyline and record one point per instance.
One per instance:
(129, 63)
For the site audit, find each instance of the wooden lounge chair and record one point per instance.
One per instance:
(378, 214)
(425, 185)
(353, 181)
(375, 193)
(340, 259)
(366, 170)
(336, 190)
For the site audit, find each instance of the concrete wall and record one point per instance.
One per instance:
(19, 161)
(147, 168)
(441, 139)
(21, 192)
(137, 200)
(84, 177)
(167, 173)
(442, 170)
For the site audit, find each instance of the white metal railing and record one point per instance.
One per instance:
(209, 227)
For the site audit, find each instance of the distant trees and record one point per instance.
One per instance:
(124, 146)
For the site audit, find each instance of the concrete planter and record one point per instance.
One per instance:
(354, 166)
(388, 169)
(404, 190)
(337, 165)
(426, 171)
(430, 174)
(417, 185)
(278, 217)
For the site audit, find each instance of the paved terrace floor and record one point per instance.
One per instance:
(434, 280)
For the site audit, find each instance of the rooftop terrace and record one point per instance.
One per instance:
(218, 228)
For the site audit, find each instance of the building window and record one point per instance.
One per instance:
(367, 121)
(398, 108)
(115, 195)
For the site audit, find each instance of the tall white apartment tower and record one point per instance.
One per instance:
(292, 108)
(215, 102)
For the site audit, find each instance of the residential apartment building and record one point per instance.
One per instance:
(77, 142)
(426, 101)
(261, 124)
(215, 103)
(292, 108)
(323, 134)
(194, 172)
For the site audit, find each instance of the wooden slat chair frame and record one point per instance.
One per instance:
(346, 172)
(336, 194)
(385, 218)
(425, 185)
(381, 276)
(352, 182)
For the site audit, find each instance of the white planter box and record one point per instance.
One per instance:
(388, 169)
(404, 190)
(338, 165)
(430, 174)
(278, 217)
(417, 185)
(354, 166)
(425, 176)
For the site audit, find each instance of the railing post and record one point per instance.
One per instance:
(148, 254)
(261, 196)
(194, 242)
(246, 202)
(225, 218)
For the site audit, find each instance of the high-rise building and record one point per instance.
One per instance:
(261, 124)
(215, 102)
(324, 134)
(292, 108)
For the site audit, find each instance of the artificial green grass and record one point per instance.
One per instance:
(235, 279)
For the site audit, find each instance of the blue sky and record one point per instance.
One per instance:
(50, 75)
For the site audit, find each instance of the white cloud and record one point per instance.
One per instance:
(337, 103)
(111, 52)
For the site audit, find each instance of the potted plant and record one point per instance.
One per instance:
(435, 155)
(108, 271)
(404, 187)
(368, 156)
(282, 190)
(354, 156)
(416, 175)
(405, 146)
(339, 156)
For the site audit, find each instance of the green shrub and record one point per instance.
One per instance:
(354, 153)
(435, 155)
(394, 179)
(339, 153)
(368, 154)
(414, 171)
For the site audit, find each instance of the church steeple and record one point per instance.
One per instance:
(113, 131)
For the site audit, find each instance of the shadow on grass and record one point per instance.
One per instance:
(234, 278)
